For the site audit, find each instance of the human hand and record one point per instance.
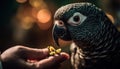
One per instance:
(17, 58)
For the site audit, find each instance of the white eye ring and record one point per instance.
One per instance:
(79, 20)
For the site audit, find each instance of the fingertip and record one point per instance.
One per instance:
(65, 55)
(59, 58)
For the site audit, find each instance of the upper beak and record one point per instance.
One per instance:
(57, 33)
(60, 32)
(55, 37)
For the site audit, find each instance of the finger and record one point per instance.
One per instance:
(37, 53)
(32, 53)
(52, 61)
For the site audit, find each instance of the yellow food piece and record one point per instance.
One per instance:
(53, 51)
(51, 48)
(58, 51)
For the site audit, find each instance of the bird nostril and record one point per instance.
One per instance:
(61, 23)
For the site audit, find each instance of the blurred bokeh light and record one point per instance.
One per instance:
(35, 3)
(27, 22)
(21, 1)
(44, 16)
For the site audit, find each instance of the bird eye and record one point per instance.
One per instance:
(76, 19)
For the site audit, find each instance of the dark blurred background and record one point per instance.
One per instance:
(30, 22)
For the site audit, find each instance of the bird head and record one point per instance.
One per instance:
(77, 21)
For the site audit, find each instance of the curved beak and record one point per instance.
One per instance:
(60, 32)
(55, 37)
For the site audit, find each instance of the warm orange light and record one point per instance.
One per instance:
(64, 43)
(27, 22)
(35, 3)
(34, 12)
(44, 16)
(21, 1)
(110, 17)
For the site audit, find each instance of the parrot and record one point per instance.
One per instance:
(95, 39)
